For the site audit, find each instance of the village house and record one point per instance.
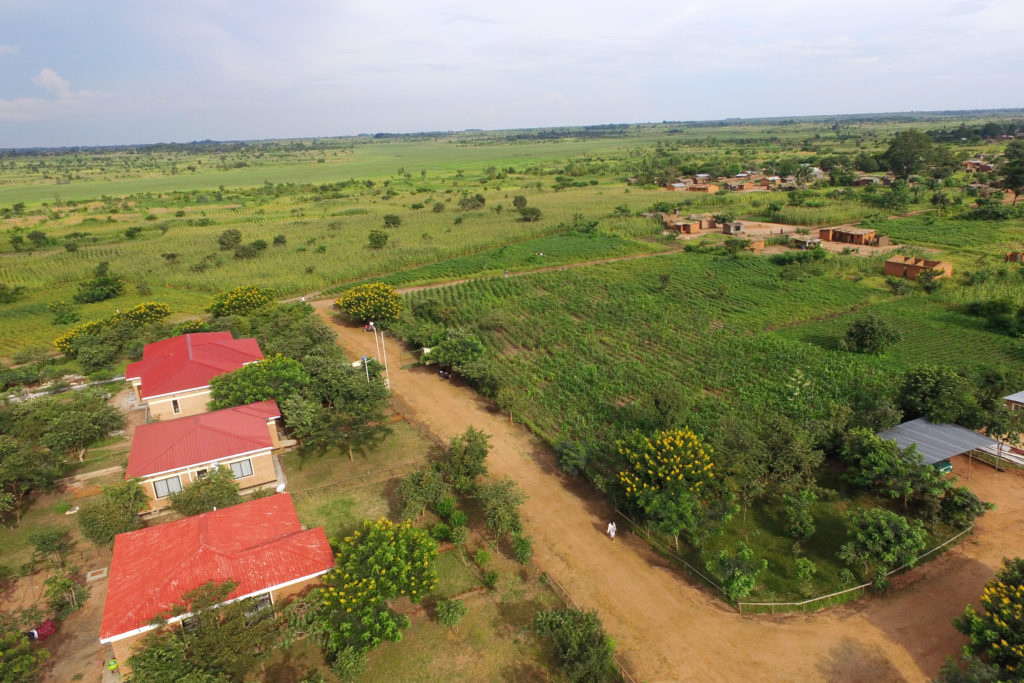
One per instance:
(690, 225)
(911, 267)
(977, 166)
(771, 181)
(171, 454)
(259, 544)
(739, 185)
(709, 188)
(173, 377)
(1015, 257)
(867, 180)
(1015, 401)
(848, 235)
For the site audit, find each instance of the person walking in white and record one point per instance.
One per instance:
(611, 531)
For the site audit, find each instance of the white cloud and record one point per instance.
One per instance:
(8, 50)
(50, 80)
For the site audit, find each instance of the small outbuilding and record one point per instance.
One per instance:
(937, 443)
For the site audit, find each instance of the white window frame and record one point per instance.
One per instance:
(167, 488)
(248, 463)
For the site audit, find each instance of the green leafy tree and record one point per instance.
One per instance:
(960, 507)
(378, 239)
(579, 644)
(738, 571)
(24, 469)
(465, 459)
(671, 478)
(458, 350)
(870, 335)
(116, 512)
(229, 239)
(275, 377)
(530, 214)
(223, 642)
(799, 518)
(392, 220)
(500, 500)
(64, 593)
(64, 313)
(1011, 170)
(519, 201)
(881, 541)
(19, 660)
(420, 489)
(379, 562)
(909, 152)
(216, 490)
(100, 287)
(72, 426)
(996, 633)
(937, 393)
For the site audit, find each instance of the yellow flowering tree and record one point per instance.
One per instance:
(129, 319)
(381, 561)
(671, 478)
(241, 300)
(997, 633)
(375, 301)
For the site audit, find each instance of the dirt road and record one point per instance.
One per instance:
(667, 629)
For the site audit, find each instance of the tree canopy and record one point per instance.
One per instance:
(216, 490)
(276, 377)
(375, 301)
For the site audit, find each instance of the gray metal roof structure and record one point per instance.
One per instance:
(935, 442)
(1016, 398)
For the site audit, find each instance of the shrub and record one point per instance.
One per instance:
(459, 535)
(458, 518)
(116, 512)
(445, 507)
(440, 532)
(10, 293)
(377, 239)
(737, 571)
(490, 579)
(101, 287)
(63, 312)
(449, 612)
(481, 557)
(579, 644)
(280, 240)
(522, 548)
(392, 221)
(229, 239)
(997, 631)
(870, 335)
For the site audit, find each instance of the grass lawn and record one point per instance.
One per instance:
(337, 493)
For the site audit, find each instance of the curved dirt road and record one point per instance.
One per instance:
(665, 628)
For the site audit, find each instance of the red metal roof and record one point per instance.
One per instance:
(166, 446)
(259, 544)
(190, 361)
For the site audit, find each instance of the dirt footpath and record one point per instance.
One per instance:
(667, 629)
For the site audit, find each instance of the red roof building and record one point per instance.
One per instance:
(168, 455)
(260, 544)
(173, 377)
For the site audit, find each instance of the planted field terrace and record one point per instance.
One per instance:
(726, 345)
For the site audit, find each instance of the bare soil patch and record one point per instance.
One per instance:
(666, 628)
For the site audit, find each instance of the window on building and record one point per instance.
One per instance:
(201, 473)
(165, 487)
(175, 406)
(242, 468)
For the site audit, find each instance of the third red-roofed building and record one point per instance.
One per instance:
(260, 545)
(169, 455)
(173, 377)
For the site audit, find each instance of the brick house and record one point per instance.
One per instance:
(848, 235)
(709, 188)
(911, 267)
(170, 454)
(259, 544)
(173, 377)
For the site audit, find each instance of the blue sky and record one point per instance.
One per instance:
(111, 72)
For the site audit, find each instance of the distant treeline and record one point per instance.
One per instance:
(992, 129)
